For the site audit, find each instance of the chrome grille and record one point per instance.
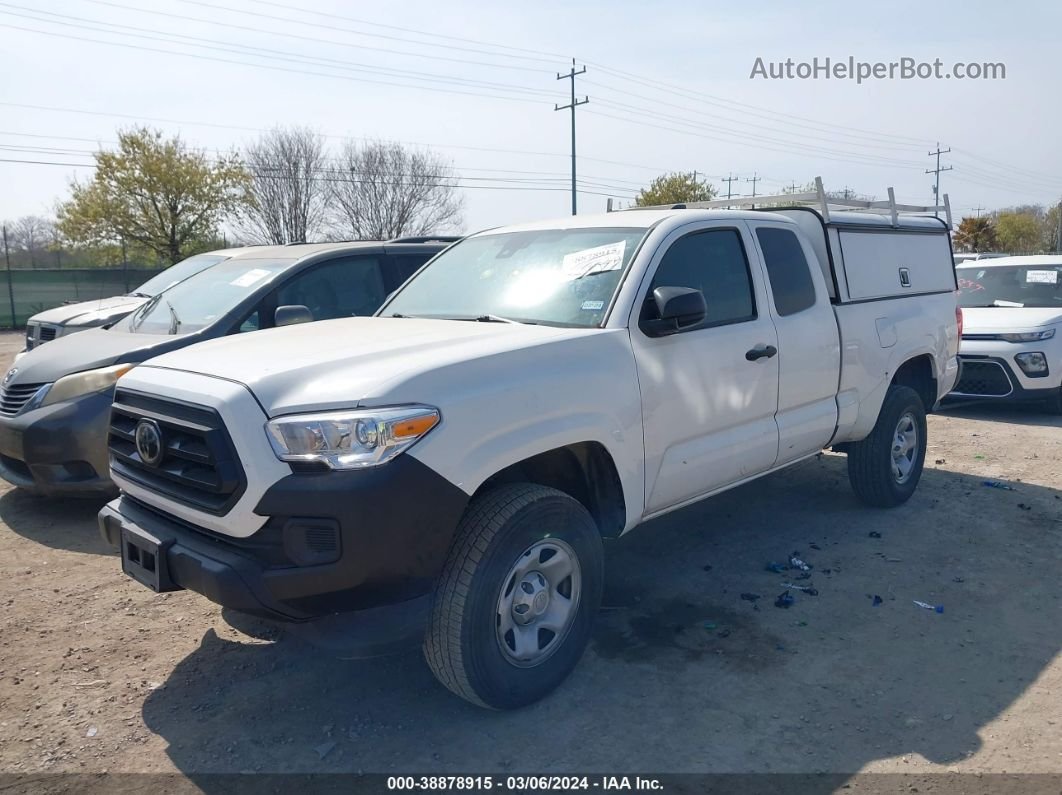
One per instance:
(15, 396)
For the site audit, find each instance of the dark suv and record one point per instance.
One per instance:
(55, 402)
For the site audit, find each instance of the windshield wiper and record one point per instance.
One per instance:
(140, 295)
(140, 314)
(175, 322)
(495, 319)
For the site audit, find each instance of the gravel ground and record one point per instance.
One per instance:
(684, 675)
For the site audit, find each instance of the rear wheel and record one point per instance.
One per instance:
(884, 469)
(515, 605)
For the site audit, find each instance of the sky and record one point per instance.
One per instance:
(668, 84)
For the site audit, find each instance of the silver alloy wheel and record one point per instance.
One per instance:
(904, 448)
(538, 602)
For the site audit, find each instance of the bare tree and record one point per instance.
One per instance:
(287, 166)
(32, 234)
(383, 190)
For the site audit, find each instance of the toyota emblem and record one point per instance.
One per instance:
(148, 439)
(10, 375)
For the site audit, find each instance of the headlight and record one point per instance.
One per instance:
(1033, 364)
(1029, 336)
(77, 384)
(350, 439)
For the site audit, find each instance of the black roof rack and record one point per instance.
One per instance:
(427, 239)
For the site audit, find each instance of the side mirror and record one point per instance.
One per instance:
(677, 309)
(292, 314)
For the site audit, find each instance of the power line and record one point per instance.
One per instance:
(269, 54)
(241, 128)
(758, 140)
(822, 155)
(342, 179)
(425, 33)
(316, 40)
(265, 66)
(572, 105)
(331, 27)
(732, 123)
(751, 109)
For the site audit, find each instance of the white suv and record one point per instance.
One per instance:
(1011, 347)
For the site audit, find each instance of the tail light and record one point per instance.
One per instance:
(958, 319)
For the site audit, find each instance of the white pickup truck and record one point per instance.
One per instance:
(449, 468)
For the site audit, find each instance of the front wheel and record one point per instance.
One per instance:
(884, 469)
(515, 605)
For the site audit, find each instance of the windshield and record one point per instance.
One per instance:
(178, 273)
(562, 277)
(1010, 285)
(200, 300)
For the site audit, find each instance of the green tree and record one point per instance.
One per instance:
(155, 193)
(976, 235)
(675, 188)
(1019, 232)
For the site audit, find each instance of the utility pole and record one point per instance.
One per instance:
(10, 289)
(847, 193)
(754, 179)
(572, 106)
(793, 187)
(1058, 240)
(729, 180)
(936, 171)
(978, 210)
(125, 266)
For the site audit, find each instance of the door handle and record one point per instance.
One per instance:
(761, 352)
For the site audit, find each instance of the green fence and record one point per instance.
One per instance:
(33, 291)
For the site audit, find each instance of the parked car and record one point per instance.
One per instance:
(450, 468)
(81, 316)
(959, 259)
(55, 403)
(1011, 347)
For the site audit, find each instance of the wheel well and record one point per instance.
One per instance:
(917, 373)
(584, 471)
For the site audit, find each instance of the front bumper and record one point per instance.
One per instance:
(59, 449)
(987, 377)
(332, 542)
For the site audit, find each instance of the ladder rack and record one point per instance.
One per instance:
(816, 198)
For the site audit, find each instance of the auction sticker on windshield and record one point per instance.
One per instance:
(1041, 277)
(251, 277)
(594, 260)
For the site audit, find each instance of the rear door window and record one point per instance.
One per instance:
(787, 270)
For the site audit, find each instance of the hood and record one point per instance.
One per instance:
(89, 313)
(993, 319)
(340, 363)
(88, 350)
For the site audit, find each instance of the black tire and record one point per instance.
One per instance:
(870, 462)
(462, 644)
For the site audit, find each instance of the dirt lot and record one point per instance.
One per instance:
(99, 674)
